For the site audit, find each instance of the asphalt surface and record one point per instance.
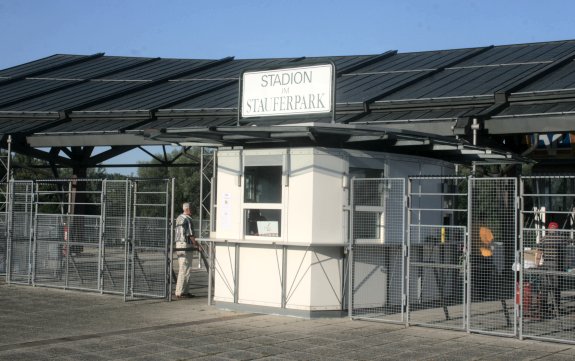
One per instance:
(52, 324)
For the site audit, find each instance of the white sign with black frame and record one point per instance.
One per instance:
(287, 91)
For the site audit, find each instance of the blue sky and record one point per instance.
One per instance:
(32, 29)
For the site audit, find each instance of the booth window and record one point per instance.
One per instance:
(263, 222)
(262, 200)
(370, 224)
(263, 184)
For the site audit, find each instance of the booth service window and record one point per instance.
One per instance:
(262, 200)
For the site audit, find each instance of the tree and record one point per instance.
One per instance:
(187, 178)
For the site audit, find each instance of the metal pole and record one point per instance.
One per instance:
(32, 237)
(201, 215)
(519, 261)
(284, 277)
(7, 209)
(167, 230)
(237, 273)
(210, 272)
(468, 253)
(350, 251)
(171, 246)
(9, 230)
(515, 276)
(408, 273)
(131, 245)
(101, 236)
(9, 160)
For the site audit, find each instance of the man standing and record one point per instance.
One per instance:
(185, 243)
(553, 249)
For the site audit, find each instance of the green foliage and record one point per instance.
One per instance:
(187, 178)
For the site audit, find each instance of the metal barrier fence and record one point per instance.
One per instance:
(19, 234)
(547, 277)
(437, 218)
(3, 226)
(378, 268)
(151, 238)
(468, 265)
(99, 235)
(493, 241)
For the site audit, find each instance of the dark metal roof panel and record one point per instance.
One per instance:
(159, 69)
(156, 96)
(233, 69)
(71, 97)
(522, 53)
(224, 98)
(563, 78)
(91, 69)
(359, 88)
(37, 65)
(416, 61)
(11, 126)
(341, 62)
(29, 87)
(461, 82)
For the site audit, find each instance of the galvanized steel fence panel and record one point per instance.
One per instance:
(98, 235)
(151, 238)
(116, 214)
(377, 249)
(67, 233)
(4, 190)
(19, 243)
(547, 284)
(493, 241)
(437, 216)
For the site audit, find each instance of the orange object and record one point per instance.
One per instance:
(485, 235)
(486, 252)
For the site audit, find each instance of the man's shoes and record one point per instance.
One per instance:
(185, 295)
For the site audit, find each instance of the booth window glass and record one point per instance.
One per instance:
(263, 200)
(263, 222)
(263, 184)
(369, 227)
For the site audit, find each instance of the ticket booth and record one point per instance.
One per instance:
(282, 223)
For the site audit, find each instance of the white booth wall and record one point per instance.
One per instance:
(307, 203)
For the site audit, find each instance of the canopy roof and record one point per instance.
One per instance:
(510, 91)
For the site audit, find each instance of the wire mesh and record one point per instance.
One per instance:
(377, 280)
(74, 233)
(548, 258)
(437, 252)
(3, 226)
(116, 229)
(19, 243)
(492, 239)
(67, 233)
(149, 256)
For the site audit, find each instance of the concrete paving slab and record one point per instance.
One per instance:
(54, 324)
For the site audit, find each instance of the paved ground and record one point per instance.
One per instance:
(50, 324)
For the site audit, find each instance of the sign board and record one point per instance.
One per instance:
(287, 91)
(268, 228)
